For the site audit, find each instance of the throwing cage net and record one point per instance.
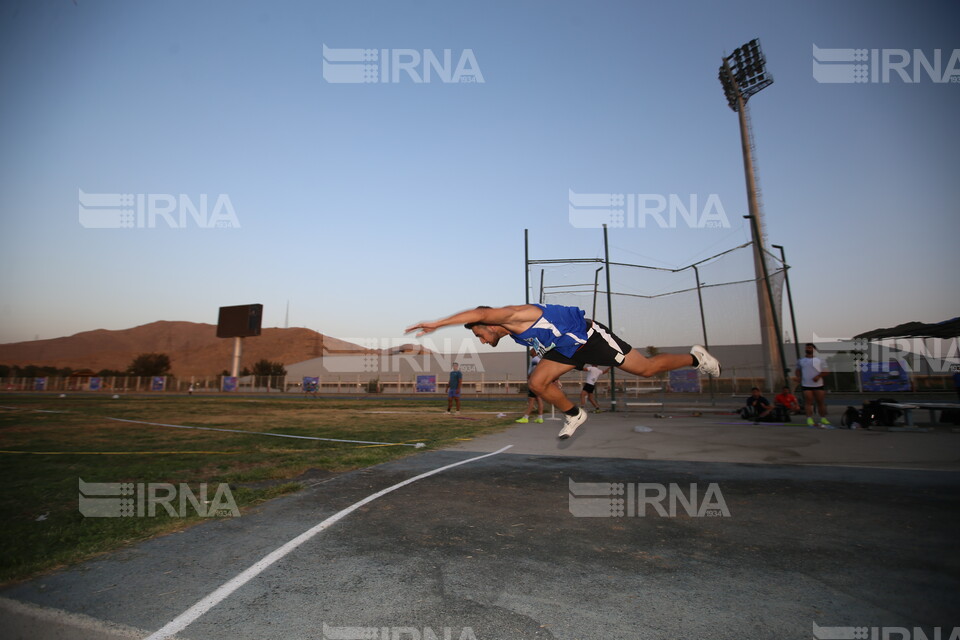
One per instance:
(714, 301)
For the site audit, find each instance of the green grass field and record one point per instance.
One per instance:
(48, 443)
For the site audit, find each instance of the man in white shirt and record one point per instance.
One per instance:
(810, 373)
(589, 385)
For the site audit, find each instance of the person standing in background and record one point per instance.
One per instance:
(590, 385)
(811, 371)
(454, 386)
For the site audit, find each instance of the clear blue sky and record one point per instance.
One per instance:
(371, 206)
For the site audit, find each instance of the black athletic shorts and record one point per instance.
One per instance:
(813, 388)
(588, 387)
(602, 349)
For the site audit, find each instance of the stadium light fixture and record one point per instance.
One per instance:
(744, 73)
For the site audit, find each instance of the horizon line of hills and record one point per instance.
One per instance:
(193, 348)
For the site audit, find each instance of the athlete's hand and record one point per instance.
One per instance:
(425, 328)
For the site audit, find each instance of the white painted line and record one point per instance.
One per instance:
(417, 445)
(34, 410)
(212, 600)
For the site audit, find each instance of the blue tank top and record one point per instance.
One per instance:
(561, 328)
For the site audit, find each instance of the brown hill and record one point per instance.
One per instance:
(194, 348)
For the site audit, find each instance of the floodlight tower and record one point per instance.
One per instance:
(743, 74)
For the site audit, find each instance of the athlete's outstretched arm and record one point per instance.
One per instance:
(503, 316)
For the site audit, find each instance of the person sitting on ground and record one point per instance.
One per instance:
(786, 403)
(758, 408)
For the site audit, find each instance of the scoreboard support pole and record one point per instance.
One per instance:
(237, 350)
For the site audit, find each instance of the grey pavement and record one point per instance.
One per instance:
(803, 527)
(727, 438)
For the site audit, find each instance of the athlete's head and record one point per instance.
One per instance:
(487, 333)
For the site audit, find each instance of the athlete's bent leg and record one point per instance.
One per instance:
(542, 380)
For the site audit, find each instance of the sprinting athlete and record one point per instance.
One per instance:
(566, 340)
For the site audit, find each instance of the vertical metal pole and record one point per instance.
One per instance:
(541, 287)
(606, 264)
(526, 265)
(596, 284)
(526, 288)
(237, 349)
(793, 318)
(703, 325)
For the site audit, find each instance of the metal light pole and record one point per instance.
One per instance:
(743, 74)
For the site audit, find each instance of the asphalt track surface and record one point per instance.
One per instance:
(828, 528)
